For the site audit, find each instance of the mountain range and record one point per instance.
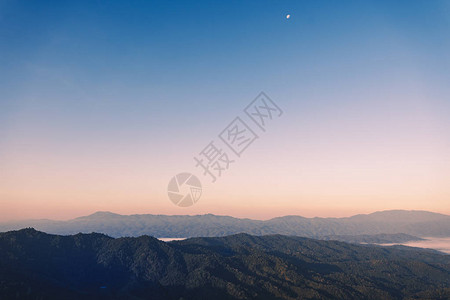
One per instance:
(36, 265)
(415, 223)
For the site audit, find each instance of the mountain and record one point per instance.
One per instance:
(381, 238)
(416, 223)
(36, 265)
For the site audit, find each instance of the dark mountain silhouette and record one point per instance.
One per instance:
(416, 223)
(36, 265)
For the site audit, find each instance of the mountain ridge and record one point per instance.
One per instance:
(37, 265)
(380, 212)
(415, 223)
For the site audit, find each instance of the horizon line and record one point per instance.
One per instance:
(218, 215)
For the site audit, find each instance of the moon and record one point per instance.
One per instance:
(288, 16)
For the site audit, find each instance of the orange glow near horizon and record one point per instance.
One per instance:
(339, 169)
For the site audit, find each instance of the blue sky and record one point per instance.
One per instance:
(85, 80)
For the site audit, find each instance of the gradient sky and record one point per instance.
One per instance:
(102, 103)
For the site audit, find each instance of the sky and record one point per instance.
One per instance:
(102, 103)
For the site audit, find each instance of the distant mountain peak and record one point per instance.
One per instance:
(100, 214)
(400, 215)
